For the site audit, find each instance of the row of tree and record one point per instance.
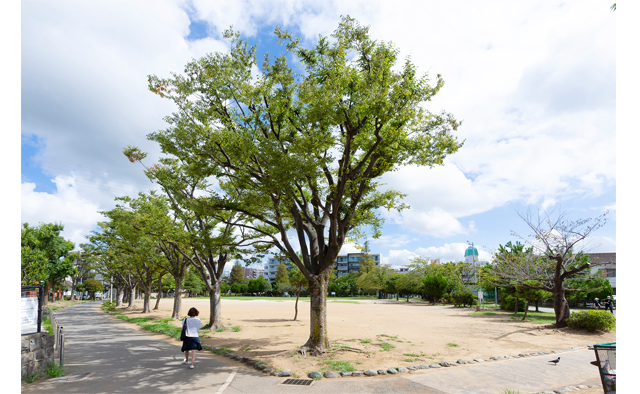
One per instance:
(252, 159)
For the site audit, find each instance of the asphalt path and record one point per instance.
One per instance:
(109, 355)
(550, 310)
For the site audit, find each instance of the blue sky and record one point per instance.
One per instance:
(534, 83)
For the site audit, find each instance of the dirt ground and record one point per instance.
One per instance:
(418, 333)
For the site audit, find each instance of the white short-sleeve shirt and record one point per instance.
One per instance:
(193, 325)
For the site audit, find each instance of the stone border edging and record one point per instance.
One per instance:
(569, 388)
(262, 366)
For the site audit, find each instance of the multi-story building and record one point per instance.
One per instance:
(606, 266)
(272, 267)
(350, 263)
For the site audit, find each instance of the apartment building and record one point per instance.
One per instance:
(350, 263)
(606, 267)
(272, 268)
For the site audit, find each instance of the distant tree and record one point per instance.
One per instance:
(366, 260)
(282, 276)
(376, 279)
(236, 288)
(554, 259)
(193, 284)
(92, 286)
(392, 285)
(237, 273)
(529, 295)
(298, 282)
(84, 263)
(264, 285)
(435, 285)
(411, 283)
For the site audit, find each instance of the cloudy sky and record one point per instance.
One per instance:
(533, 82)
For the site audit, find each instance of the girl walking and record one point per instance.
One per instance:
(192, 342)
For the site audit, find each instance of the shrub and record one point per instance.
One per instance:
(462, 298)
(592, 320)
(508, 303)
(108, 306)
(446, 299)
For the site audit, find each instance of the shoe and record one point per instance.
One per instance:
(185, 361)
(191, 366)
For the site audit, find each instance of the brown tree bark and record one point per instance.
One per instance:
(215, 308)
(560, 306)
(177, 299)
(131, 296)
(155, 308)
(526, 309)
(295, 317)
(318, 338)
(119, 296)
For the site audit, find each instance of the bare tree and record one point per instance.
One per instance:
(556, 254)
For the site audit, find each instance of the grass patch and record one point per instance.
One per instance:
(365, 340)
(452, 344)
(246, 349)
(409, 360)
(55, 370)
(386, 346)
(224, 350)
(414, 354)
(140, 319)
(340, 366)
(484, 313)
(221, 329)
(32, 378)
(236, 328)
(345, 302)
(46, 325)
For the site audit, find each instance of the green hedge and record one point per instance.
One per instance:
(592, 320)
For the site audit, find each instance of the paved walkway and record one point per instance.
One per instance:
(119, 357)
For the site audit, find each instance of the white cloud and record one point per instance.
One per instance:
(534, 84)
(76, 213)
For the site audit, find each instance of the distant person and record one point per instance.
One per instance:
(597, 303)
(192, 342)
(608, 304)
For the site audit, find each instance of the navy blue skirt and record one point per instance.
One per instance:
(191, 343)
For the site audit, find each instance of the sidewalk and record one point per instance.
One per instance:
(120, 357)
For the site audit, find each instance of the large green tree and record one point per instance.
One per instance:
(305, 151)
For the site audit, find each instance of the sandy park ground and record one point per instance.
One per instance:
(418, 333)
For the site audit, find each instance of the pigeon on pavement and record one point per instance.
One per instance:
(556, 361)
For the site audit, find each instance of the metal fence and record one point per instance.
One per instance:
(58, 344)
(31, 309)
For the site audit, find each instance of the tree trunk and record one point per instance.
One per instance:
(295, 317)
(526, 309)
(146, 304)
(132, 298)
(177, 300)
(215, 319)
(318, 340)
(119, 296)
(537, 301)
(517, 302)
(155, 308)
(560, 305)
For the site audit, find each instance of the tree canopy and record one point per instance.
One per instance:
(304, 150)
